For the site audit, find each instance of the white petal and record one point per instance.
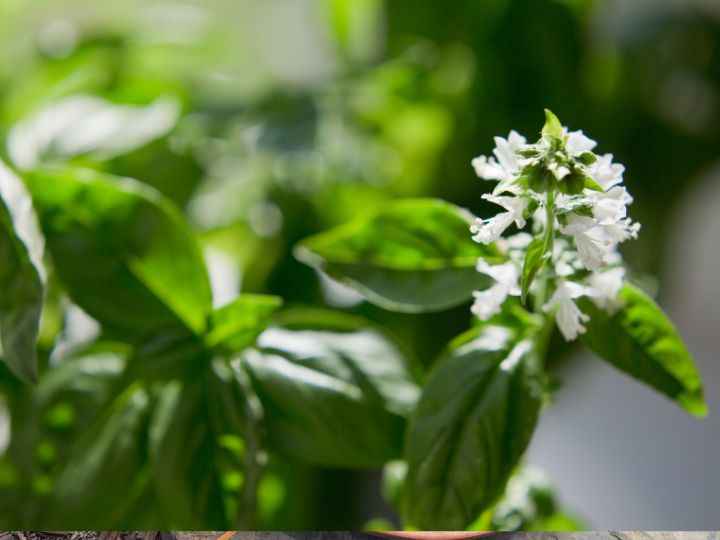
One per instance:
(490, 230)
(488, 168)
(577, 142)
(605, 287)
(577, 224)
(507, 274)
(611, 205)
(568, 316)
(606, 173)
(505, 151)
(569, 319)
(593, 247)
(515, 205)
(489, 302)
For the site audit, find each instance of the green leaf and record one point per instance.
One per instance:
(236, 325)
(417, 255)
(123, 252)
(334, 389)
(183, 448)
(640, 340)
(474, 420)
(553, 128)
(106, 472)
(21, 276)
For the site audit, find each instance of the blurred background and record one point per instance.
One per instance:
(269, 120)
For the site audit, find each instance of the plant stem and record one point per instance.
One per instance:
(253, 458)
(546, 331)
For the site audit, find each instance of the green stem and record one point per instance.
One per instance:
(253, 458)
(549, 238)
(545, 333)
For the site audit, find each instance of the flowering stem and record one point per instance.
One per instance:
(541, 294)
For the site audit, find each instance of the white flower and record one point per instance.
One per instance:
(605, 288)
(488, 168)
(505, 152)
(621, 230)
(486, 232)
(489, 302)
(568, 316)
(605, 172)
(506, 274)
(504, 165)
(592, 241)
(611, 205)
(577, 142)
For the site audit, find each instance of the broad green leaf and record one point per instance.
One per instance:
(123, 252)
(417, 255)
(110, 454)
(21, 276)
(235, 326)
(640, 340)
(475, 418)
(553, 128)
(82, 124)
(334, 389)
(183, 449)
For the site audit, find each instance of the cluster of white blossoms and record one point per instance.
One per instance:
(578, 209)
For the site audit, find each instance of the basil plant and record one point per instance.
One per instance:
(547, 260)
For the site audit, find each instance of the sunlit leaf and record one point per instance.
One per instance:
(123, 252)
(640, 340)
(334, 389)
(471, 426)
(416, 255)
(21, 276)
(82, 124)
(235, 325)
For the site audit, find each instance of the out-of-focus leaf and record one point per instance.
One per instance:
(21, 276)
(123, 251)
(107, 471)
(82, 124)
(417, 255)
(235, 326)
(67, 400)
(474, 420)
(334, 389)
(183, 447)
(640, 340)
(528, 501)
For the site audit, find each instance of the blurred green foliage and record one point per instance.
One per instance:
(283, 119)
